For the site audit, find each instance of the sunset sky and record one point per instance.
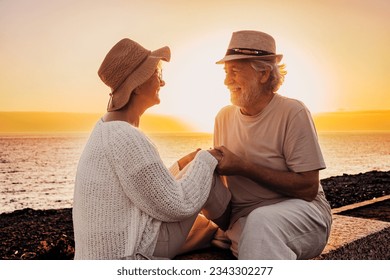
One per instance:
(336, 52)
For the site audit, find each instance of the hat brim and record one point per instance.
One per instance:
(121, 96)
(278, 57)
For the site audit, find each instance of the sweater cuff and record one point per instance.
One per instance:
(207, 158)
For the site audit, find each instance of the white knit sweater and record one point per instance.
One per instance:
(123, 192)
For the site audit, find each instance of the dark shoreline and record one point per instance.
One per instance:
(48, 234)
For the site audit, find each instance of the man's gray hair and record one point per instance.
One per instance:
(277, 74)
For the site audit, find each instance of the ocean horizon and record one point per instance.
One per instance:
(38, 170)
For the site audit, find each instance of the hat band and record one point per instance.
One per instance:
(244, 51)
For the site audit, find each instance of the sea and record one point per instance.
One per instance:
(38, 171)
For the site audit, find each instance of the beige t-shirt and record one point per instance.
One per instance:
(281, 137)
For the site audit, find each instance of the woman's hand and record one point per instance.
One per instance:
(187, 159)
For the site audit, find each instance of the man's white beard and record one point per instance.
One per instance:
(247, 98)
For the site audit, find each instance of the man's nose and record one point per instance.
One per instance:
(228, 79)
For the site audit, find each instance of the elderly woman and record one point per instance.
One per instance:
(127, 204)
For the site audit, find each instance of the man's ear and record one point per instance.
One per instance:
(265, 76)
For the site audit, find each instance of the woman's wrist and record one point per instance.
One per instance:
(187, 159)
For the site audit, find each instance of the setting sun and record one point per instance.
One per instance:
(335, 53)
(194, 83)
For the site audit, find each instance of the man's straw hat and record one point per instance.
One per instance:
(126, 66)
(248, 44)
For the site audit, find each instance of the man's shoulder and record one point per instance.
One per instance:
(291, 104)
(225, 111)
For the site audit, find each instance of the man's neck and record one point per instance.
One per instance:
(257, 107)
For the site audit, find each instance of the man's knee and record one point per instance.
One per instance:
(259, 220)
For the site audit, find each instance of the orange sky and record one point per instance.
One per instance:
(336, 52)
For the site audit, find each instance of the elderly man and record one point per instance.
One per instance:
(271, 158)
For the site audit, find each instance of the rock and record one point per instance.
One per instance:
(48, 234)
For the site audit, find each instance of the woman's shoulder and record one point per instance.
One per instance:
(121, 132)
(119, 127)
(122, 137)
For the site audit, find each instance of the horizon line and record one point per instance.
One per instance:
(74, 122)
(73, 112)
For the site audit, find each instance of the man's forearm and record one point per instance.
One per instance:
(300, 185)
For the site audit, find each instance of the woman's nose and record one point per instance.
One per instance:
(162, 83)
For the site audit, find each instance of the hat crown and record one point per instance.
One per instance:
(248, 39)
(121, 61)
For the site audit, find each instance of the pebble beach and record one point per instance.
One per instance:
(48, 234)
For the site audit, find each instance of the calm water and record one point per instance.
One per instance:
(38, 171)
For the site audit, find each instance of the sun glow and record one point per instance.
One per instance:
(308, 77)
(195, 89)
(335, 53)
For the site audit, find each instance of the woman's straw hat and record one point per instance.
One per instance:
(126, 66)
(249, 44)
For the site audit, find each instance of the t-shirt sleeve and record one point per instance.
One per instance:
(302, 150)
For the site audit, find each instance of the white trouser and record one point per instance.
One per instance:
(291, 229)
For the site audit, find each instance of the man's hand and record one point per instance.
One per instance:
(216, 154)
(230, 164)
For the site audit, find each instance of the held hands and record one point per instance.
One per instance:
(216, 154)
(188, 158)
(229, 164)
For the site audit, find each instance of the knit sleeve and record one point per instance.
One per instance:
(149, 184)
